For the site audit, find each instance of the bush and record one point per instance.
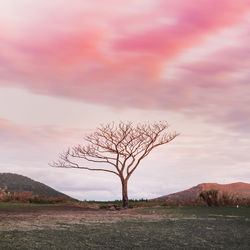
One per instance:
(28, 197)
(210, 197)
(215, 198)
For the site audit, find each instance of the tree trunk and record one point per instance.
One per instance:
(124, 193)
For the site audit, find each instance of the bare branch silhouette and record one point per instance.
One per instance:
(119, 147)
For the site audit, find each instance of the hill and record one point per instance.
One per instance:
(19, 183)
(239, 189)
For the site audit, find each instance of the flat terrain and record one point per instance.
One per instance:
(26, 226)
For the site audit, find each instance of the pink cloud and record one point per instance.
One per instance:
(116, 55)
(19, 135)
(194, 20)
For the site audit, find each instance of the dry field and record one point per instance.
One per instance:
(24, 226)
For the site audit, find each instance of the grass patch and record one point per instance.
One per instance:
(164, 234)
(203, 212)
(10, 205)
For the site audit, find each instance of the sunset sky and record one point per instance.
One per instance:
(67, 66)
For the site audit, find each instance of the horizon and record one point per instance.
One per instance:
(64, 71)
(142, 198)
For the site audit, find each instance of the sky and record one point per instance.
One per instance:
(68, 66)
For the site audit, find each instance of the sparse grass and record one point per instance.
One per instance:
(10, 205)
(175, 228)
(164, 234)
(204, 212)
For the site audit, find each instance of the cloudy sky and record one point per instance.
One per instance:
(67, 66)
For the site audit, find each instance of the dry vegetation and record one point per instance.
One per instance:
(28, 197)
(215, 198)
(206, 198)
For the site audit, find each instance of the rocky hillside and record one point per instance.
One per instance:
(239, 189)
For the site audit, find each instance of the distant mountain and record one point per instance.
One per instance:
(239, 189)
(19, 183)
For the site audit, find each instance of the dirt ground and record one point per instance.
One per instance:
(79, 227)
(52, 216)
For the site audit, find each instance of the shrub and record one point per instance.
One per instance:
(28, 197)
(215, 198)
(210, 197)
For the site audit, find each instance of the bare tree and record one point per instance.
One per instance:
(120, 147)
